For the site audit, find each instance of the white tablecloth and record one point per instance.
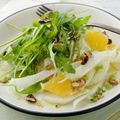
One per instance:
(9, 114)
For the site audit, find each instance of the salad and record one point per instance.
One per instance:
(61, 59)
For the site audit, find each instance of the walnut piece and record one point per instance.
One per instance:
(78, 84)
(109, 41)
(112, 81)
(30, 98)
(85, 57)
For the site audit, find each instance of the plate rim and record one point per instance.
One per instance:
(66, 114)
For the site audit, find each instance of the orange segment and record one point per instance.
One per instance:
(98, 40)
(59, 86)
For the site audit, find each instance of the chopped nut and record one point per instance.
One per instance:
(73, 35)
(84, 59)
(75, 84)
(113, 81)
(59, 43)
(109, 41)
(30, 98)
(79, 84)
(43, 21)
(88, 53)
(99, 96)
(104, 32)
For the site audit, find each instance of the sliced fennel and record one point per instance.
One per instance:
(54, 99)
(77, 101)
(90, 76)
(25, 82)
(29, 90)
(96, 58)
(99, 78)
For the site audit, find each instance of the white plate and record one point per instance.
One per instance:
(25, 18)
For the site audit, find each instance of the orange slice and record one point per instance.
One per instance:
(98, 40)
(59, 86)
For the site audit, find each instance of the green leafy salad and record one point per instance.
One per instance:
(61, 59)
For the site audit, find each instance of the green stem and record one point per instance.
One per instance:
(13, 40)
(72, 48)
(33, 40)
(27, 66)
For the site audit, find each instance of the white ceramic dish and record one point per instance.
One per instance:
(24, 18)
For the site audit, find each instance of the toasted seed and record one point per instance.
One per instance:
(113, 81)
(30, 98)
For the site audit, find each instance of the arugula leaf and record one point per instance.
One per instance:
(36, 43)
(62, 63)
(35, 23)
(68, 68)
(31, 89)
(80, 22)
(60, 60)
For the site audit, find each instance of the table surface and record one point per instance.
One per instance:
(9, 114)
